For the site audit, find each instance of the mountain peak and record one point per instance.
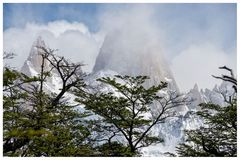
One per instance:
(195, 87)
(39, 42)
(33, 63)
(128, 54)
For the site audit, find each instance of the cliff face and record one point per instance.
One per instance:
(124, 57)
(124, 53)
(32, 65)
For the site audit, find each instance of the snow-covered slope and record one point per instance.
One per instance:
(111, 62)
(216, 95)
(32, 67)
(172, 131)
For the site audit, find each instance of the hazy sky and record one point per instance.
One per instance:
(195, 38)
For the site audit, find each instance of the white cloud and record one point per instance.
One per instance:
(73, 40)
(181, 38)
(198, 62)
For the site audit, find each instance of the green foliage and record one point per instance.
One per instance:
(218, 137)
(125, 113)
(39, 123)
(33, 126)
(114, 149)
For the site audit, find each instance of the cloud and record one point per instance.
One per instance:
(73, 40)
(195, 38)
(131, 26)
(198, 62)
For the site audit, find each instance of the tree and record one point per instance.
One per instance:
(125, 116)
(218, 137)
(112, 149)
(38, 122)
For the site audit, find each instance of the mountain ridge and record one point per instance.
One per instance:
(172, 130)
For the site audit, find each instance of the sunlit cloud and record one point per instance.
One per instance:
(195, 38)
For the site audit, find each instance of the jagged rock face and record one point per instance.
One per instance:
(216, 96)
(32, 66)
(124, 53)
(150, 64)
(196, 97)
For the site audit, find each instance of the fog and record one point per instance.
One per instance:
(194, 45)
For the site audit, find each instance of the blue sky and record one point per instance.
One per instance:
(43, 13)
(186, 18)
(188, 14)
(186, 28)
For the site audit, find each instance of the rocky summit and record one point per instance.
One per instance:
(116, 58)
